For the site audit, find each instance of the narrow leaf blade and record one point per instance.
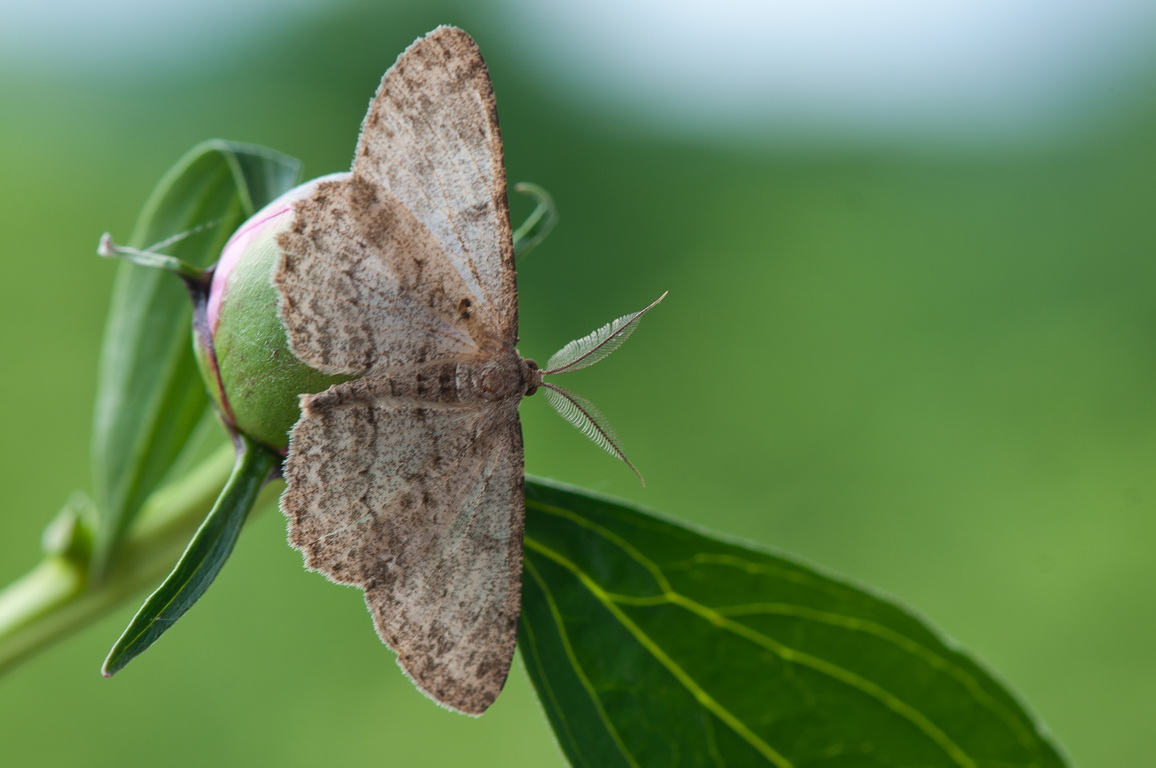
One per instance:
(150, 396)
(202, 560)
(653, 645)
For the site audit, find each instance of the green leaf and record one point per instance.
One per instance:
(654, 645)
(150, 396)
(206, 554)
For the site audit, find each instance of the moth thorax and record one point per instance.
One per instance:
(496, 379)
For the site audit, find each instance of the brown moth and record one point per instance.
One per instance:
(407, 481)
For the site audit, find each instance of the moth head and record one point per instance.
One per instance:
(533, 376)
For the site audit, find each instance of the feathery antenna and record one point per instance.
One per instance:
(588, 350)
(582, 353)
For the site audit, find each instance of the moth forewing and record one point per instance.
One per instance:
(588, 350)
(584, 415)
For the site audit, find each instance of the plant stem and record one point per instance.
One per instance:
(53, 600)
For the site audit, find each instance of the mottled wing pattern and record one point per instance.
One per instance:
(363, 286)
(422, 510)
(405, 262)
(431, 140)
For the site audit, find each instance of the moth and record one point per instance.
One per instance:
(407, 480)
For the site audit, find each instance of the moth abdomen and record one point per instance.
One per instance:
(457, 381)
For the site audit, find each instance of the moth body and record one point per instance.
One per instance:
(474, 381)
(467, 383)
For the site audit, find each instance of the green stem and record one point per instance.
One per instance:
(54, 600)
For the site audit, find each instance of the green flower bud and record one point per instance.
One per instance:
(242, 347)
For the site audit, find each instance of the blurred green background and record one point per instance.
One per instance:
(924, 361)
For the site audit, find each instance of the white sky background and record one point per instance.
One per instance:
(954, 70)
(933, 70)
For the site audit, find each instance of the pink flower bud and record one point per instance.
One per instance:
(242, 347)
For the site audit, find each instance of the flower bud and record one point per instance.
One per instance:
(242, 346)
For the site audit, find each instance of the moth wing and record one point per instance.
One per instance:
(422, 508)
(431, 140)
(363, 286)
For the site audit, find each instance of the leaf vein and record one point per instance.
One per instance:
(707, 701)
(573, 659)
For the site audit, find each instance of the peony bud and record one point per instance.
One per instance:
(242, 348)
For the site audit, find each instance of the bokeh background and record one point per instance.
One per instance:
(909, 337)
